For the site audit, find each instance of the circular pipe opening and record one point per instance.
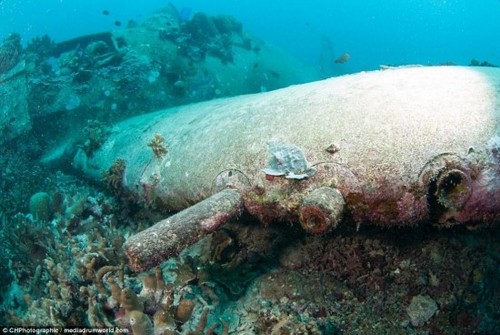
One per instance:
(314, 221)
(453, 189)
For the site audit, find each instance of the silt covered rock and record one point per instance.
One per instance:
(421, 309)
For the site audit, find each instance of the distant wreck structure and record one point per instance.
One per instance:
(167, 60)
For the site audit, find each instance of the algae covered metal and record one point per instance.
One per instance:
(398, 147)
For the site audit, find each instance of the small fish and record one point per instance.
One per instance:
(105, 12)
(342, 59)
(118, 23)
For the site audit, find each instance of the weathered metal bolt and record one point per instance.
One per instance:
(322, 210)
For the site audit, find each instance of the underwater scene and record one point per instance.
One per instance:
(250, 167)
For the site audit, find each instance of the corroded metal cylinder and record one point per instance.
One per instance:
(322, 210)
(449, 182)
(169, 237)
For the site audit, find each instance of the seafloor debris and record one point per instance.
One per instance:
(421, 309)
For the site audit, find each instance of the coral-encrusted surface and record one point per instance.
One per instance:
(246, 278)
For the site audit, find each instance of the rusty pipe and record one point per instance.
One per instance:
(322, 210)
